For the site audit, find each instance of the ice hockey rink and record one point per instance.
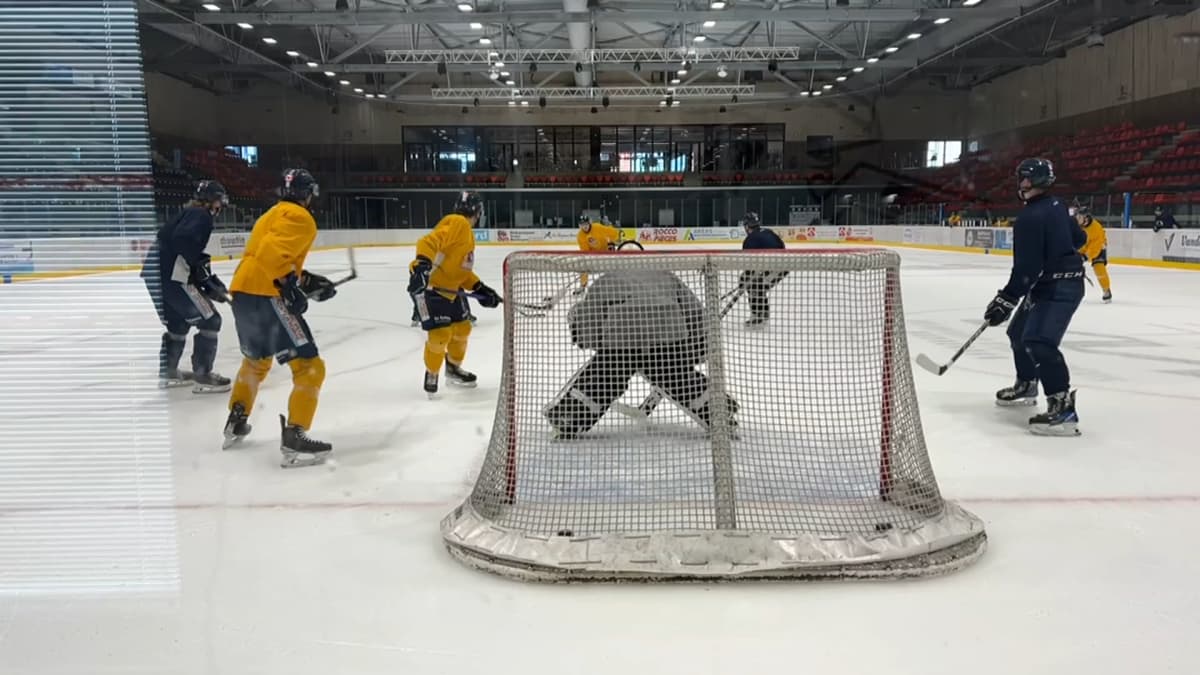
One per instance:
(130, 543)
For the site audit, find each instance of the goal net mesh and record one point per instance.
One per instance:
(707, 414)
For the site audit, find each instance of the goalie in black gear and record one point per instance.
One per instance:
(637, 322)
(178, 274)
(756, 284)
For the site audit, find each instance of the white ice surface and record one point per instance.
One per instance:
(167, 556)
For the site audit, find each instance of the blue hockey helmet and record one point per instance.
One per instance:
(209, 191)
(1039, 172)
(298, 185)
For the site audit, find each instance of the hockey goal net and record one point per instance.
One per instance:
(667, 423)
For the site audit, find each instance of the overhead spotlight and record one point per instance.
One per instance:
(971, 3)
(722, 72)
(344, 82)
(681, 72)
(859, 69)
(475, 25)
(370, 95)
(892, 50)
(498, 63)
(827, 87)
(913, 36)
(212, 7)
(710, 23)
(465, 7)
(699, 38)
(717, 4)
(494, 75)
(942, 20)
(270, 40)
(841, 78)
(675, 103)
(604, 101)
(246, 26)
(510, 82)
(516, 92)
(330, 73)
(541, 101)
(804, 93)
(493, 54)
(675, 80)
(380, 95)
(504, 73)
(512, 102)
(816, 93)
(524, 102)
(873, 59)
(485, 40)
(313, 64)
(661, 104)
(292, 53)
(358, 90)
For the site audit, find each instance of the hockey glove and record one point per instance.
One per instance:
(208, 283)
(317, 287)
(418, 275)
(486, 295)
(1000, 308)
(293, 296)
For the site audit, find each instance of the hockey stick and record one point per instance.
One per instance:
(928, 364)
(734, 295)
(349, 277)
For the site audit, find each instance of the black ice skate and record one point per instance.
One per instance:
(298, 449)
(756, 322)
(210, 383)
(174, 378)
(1107, 297)
(1059, 419)
(1021, 393)
(237, 426)
(458, 376)
(431, 384)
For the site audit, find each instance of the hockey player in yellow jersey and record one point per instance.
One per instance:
(270, 293)
(1096, 248)
(440, 278)
(595, 237)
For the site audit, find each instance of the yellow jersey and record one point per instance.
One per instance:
(600, 238)
(451, 247)
(1097, 240)
(278, 245)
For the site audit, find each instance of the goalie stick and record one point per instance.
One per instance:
(928, 363)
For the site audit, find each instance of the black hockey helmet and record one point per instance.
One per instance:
(468, 204)
(751, 221)
(1083, 210)
(1039, 172)
(298, 185)
(209, 191)
(1158, 210)
(584, 219)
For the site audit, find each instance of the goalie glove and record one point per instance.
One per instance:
(486, 295)
(291, 293)
(418, 275)
(317, 287)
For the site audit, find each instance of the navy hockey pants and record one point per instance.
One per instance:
(1037, 329)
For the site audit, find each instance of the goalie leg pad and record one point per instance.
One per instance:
(307, 377)
(245, 385)
(591, 392)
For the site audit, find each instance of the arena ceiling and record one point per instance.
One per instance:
(623, 52)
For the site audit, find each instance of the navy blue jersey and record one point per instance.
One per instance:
(181, 241)
(762, 238)
(1046, 243)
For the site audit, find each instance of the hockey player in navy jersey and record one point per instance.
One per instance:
(1047, 285)
(757, 284)
(183, 287)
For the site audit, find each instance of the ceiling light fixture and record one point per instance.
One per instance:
(358, 90)
(700, 38)
(942, 20)
(343, 82)
(524, 102)
(246, 26)
(816, 93)
(674, 80)
(475, 25)
(485, 40)
(827, 87)
(859, 69)
(504, 73)
(330, 73)
(681, 72)
(370, 95)
(873, 59)
(313, 64)
(717, 4)
(841, 78)
(499, 63)
(914, 36)
(510, 82)
(710, 23)
(211, 7)
(892, 50)
(292, 53)
(971, 3)
(270, 40)
(465, 7)
(512, 103)
(380, 95)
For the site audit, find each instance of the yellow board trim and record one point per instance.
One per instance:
(1135, 262)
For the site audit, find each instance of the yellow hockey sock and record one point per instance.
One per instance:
(457, 349)
(245, 385)
(307, 377)
(1101, 271)
(436, 342)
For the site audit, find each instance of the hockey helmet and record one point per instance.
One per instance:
(468, 204)
(209, 191)
(1039, 172)
(298, 185)
(751, 221)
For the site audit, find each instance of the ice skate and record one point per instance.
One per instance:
(298, 449)
(237, 426)
(431, 384)
(1107, 297)
(174, 378)
(1059, 419)
(1020, 394)
(756, 322)
(460, 377)
(210, 383)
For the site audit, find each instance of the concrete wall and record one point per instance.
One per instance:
(1137, 64)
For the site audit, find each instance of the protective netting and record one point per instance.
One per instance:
(707, 414)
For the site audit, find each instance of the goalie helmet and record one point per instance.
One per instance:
(751, 221)
(298, 185)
